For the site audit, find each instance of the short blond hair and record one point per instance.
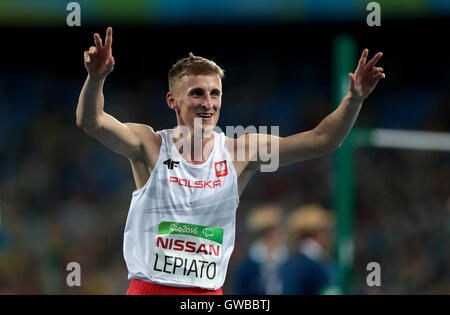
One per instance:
(192, 65)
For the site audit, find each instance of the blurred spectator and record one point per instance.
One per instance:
(258, 273)
(308, 269)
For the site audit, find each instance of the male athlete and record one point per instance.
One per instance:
(180, 228)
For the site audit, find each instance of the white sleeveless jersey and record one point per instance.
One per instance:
(180, 228)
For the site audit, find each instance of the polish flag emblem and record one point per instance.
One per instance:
(221, 168)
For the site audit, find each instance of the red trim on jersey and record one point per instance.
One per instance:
(139, 287)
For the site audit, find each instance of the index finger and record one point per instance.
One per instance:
(108, 40)
(374, 60)
(98, 41)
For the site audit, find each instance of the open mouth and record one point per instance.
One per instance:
(205, 116)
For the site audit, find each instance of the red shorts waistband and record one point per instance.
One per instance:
(140, 287)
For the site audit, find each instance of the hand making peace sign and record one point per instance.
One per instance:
(99, 61)
(366, 75)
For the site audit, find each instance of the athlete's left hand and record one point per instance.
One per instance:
(366, 76)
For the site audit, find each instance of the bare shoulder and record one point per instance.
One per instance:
(150, 141)
(144, 131)
(241, 152)
(243, 158)
(243, 145)
(230, 143)
(244, 140)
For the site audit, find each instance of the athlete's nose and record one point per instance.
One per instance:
(207, 104)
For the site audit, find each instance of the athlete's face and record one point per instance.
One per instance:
(197, 101)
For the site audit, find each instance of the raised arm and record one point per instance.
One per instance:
(121, 138)
(330, 132)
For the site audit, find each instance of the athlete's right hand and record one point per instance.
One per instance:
(98, 60)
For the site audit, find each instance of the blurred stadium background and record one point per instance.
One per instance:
(64, 197)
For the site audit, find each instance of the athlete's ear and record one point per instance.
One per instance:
(170, 98)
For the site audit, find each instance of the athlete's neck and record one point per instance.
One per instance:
(194, 147)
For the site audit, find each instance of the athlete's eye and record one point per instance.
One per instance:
(196, 93)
